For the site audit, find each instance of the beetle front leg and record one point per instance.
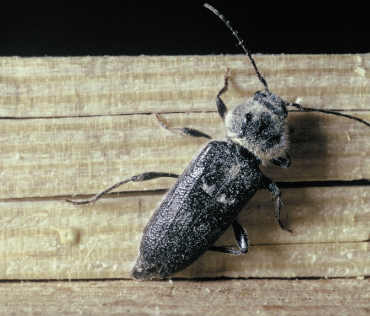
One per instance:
(184, 130)
(221, 107)
(241, 239)
(138, 178)
(273, 188)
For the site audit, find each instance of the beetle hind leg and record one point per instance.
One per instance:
(138, 178)
(241, 239)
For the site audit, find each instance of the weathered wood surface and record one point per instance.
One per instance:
(330, 226)
(58, 157)
(77, 125)
(86, 86)
(219, 297)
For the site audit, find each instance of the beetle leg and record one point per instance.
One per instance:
(284, 162)
(138, 178)
(184, 130)
(221, 107)
(273, 188)
(241, 239)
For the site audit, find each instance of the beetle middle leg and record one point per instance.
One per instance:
(184, 130)
(273, 188)
(138, 178)
(241, 239)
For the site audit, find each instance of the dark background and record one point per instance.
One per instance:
(78, 28)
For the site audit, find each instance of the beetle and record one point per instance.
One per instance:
(207, 198)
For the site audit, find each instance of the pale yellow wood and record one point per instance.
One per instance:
(71, 86)
(330, 229)
(83, 124)
(59, 157)
(221, 297)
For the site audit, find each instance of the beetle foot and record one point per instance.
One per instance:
(227, 73)
(77, 203)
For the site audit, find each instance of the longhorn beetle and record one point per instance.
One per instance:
(217, 184)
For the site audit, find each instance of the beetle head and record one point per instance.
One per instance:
(272, 102)
(259, 125)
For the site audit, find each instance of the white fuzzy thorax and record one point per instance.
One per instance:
(256, 144)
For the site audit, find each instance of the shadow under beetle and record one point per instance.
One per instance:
(217, 184)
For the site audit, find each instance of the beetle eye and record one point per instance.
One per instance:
(260, 95)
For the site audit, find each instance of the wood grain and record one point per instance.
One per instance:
(87, 86)
(77, 125)
(59, 157)
(205, 297)
(329, 240)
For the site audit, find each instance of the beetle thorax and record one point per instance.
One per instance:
(255, 127)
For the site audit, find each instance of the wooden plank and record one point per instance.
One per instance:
(85, 86)
(220, 297)
(59, 157)
(329, 240)
(49, 150)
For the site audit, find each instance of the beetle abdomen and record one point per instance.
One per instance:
(202, 204)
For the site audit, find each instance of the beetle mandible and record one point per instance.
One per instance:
(217, 184)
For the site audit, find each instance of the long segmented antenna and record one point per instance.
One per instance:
(302, 108)
(235, 33)
(296, 105)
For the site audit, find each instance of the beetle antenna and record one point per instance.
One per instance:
(300, 107)
(247, 51)
(235, 33)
